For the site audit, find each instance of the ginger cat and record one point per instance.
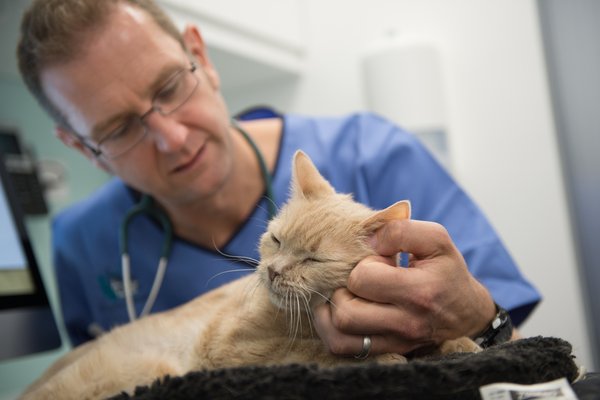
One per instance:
(307, 252)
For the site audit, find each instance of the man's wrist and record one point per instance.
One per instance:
(498, 331)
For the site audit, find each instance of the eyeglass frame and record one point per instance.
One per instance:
(95, 149)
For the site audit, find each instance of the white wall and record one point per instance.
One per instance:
(500, 123)
(571, 33)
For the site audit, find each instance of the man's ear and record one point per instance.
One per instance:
(194, 44)
(72, 141)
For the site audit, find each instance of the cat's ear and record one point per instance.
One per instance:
(307, 182)
(399, 210)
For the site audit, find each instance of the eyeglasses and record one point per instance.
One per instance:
(172, 95)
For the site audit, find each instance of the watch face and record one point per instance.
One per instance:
(499, 331)
(505, 329)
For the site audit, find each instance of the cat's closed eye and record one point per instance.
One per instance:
(275, 240)
(312, 260)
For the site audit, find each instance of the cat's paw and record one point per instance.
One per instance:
(390, 358)
(460, 345)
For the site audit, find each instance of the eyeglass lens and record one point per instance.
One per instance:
(176, 92)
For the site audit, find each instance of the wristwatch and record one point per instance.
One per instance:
(499, 331)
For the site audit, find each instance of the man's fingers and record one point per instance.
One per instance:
(351, 344)
(337, 342)
(376, 280)
(355, 315)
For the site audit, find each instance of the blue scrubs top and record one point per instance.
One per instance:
(362, 154)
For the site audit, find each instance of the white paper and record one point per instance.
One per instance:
(554, 390)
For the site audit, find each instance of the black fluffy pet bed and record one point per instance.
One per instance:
(455, 376)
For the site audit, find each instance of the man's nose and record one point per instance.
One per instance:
(168, 134)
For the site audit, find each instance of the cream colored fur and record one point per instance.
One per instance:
(308, 251)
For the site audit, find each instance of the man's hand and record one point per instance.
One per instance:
(402, 309)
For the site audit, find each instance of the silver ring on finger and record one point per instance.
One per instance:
(366, 348)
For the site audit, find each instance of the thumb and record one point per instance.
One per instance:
(423, 239)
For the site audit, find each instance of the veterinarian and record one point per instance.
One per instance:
(141, 100)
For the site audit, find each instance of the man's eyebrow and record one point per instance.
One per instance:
(100, 130)
(163, 76)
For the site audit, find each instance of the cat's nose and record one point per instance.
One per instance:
(272, 273)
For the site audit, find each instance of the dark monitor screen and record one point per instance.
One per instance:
(27, 324)
(9, 142)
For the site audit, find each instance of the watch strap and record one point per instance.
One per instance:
(499, 330)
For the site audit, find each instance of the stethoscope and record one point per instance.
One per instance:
(148, 206)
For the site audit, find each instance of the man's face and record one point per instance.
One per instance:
(186, 154)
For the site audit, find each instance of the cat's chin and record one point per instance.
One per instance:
(285, 303)
(279, 301)
(288, 303)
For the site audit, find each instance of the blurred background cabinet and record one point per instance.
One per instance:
(250, 42)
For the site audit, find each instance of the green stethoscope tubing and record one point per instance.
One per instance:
(147, 206)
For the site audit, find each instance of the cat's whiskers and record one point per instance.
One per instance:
(290, 318)
(327, 299)
(277, 312)
(308, 312)
(295, 303)
(310, 315)
(297, 306)
(247, 292)
(298, 317)
(289, 310)
(277, 208)
(262, 223)
(293, 310)
(290, 313)
(295, 320)
(229, 271)
(247, 260)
